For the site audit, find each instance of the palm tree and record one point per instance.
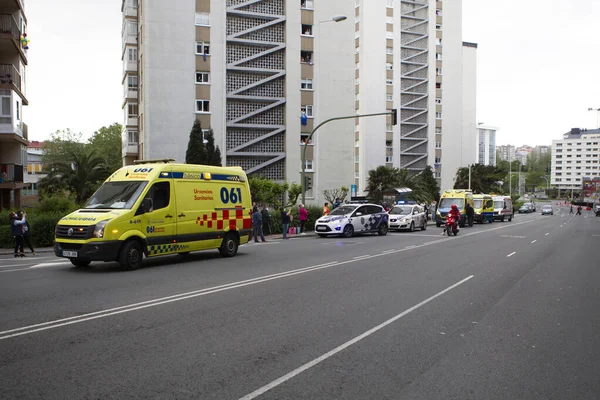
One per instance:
(383, 178)
(81, 172)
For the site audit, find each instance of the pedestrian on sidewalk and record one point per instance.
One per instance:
(257, 225)
(16, 227)
(326, 209)
(266, 220)
(26, 232)
(571, 212)
(285, 221)
(303, 216)
(432, 210)
(470, 214)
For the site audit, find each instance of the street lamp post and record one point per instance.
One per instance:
(547, 183)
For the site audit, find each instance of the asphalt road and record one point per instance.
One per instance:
(502, 311)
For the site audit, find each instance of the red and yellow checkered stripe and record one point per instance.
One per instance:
(234, 219)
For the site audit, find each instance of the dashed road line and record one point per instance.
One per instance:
(533, 241)
(512, 254)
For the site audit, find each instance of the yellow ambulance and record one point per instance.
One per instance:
(460, 197)
(156, 208)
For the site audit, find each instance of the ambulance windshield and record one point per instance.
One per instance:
(116, 195)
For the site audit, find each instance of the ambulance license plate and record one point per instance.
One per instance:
(69, 254)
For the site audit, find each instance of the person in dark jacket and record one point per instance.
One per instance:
(285, 221)
(266, 220)
(470, 214)
(16, 228)
(257, 225)
(26, 233)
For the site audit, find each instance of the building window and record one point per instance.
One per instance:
(389, 82)
(389, 159)
(307, 30)
(132, 82)
(438, 175)
(438, 12)
(438, 27)
(438, 130)
(306, 84)
(438, 41)
(389, 97)
(389, 20)
(356, 159)
(357, 81)
(132, 54)
(132, 110)
(389, 35)
(389, 127)
(438, 71)
(304, 138)
(438, 101)
(202, 78)
(308, 165)
(438, 115)
(389, 50)
(202, 48)
(307, 4)
(307, 110)
(306, 57)
(389, 66)
(438, 145)
(390, 3)
(132, 137)
(203, 19)
(438, 56)
(438, 85)
(132, 28)
(202, 106)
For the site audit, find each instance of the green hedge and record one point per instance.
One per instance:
(42, 221)
(314, 213)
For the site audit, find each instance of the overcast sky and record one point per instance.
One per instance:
(538, 65)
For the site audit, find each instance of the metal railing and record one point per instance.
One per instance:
(8, 25)
(11, 173)
(10, 75)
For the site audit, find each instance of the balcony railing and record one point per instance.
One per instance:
(10, 75)
(25, 130)
(11, 173)
(9, 26)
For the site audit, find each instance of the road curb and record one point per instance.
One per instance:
(7, 252)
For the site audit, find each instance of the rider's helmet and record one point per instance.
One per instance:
(454, 207)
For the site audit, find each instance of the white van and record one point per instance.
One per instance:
(503, 208)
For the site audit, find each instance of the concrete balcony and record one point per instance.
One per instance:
(130, 11)
(132, 121)
(14, 133)
(10, 37)
(129, 66)
(130, 149)
(11, 79)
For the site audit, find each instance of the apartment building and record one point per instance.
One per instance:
(430, 77)
(256, 72)
(263, 74)
(13, 131)
(507, 152)
(35, 169)
(574, 157)
(486, 145)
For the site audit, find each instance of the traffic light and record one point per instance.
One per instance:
(394, 116)
(307, 182)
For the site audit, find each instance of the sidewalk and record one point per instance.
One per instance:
(10, 252)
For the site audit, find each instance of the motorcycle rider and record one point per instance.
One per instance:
(455, 213)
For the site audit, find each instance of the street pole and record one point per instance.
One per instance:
(510, 178)
(303, 174)
(469, 177)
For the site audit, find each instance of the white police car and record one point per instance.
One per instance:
(408, 216)
(350, 219)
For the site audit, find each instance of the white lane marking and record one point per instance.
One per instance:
(533, 241)
(418, 235)
(513, 237)
(344, 346)
(412, 246)
(547, 234)
(512, 254)
(46, 265)
(361, 257)
(389, 251)
(342, 243)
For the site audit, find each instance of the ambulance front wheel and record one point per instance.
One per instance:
(229, 247)
(131, 255)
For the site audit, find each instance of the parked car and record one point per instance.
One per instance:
(351, 219)
(547, 210)
(408, 216)
(597, 209)
(503, 208)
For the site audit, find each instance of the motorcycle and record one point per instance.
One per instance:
(451, 225)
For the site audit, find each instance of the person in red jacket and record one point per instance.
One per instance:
(455, 213)
(303, 215)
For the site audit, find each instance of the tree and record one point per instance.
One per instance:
(81, 172)
(332, 195)
(484, 178)
(60, 146)
(430, 184)
(196, 153)
(266, 191)
(107, 142)
(199, 152)
(383, 178)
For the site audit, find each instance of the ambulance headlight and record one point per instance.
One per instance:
(99, 229)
